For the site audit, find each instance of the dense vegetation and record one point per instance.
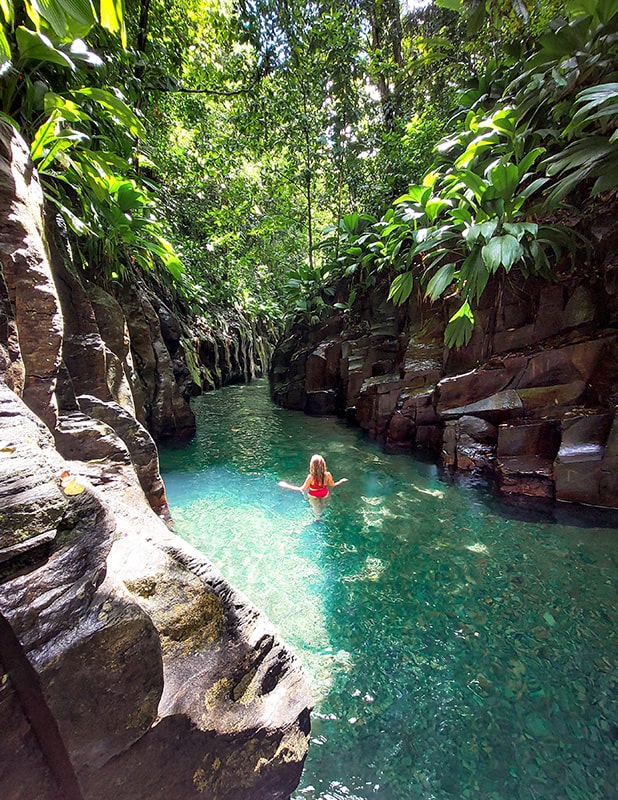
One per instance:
(252, 153)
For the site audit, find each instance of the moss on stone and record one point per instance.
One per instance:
(144, 587)
(195, 620)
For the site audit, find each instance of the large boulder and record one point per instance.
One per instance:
(133, 669)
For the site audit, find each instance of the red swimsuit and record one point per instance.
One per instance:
(317, 490)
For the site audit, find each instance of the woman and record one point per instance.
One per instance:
(316, 484)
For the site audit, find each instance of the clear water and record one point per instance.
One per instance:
(458, 648)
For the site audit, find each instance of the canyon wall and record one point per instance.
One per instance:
(530, 402)
(130, 668)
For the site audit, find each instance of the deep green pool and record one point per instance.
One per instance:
(459, 648)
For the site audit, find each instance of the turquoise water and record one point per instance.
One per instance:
(459, 648)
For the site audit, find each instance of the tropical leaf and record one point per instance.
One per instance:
(401, 288)
(38, 47)
(8, 11)
(349, 222)
(5, 52)
(484, 229)
(51, 11)
(505, 179)
(44, 135)
(68, 109)
(81, 11)
(440, 281)
(502, 251)
(111, 18)
(519, 229)
(118, 107)
(460, 326)
(473, 274)
(528, 160)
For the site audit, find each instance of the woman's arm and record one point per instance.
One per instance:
(303, 488)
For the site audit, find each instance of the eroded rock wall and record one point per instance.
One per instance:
(530, 401)
(131, 668)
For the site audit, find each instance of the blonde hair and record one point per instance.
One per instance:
(317, 469)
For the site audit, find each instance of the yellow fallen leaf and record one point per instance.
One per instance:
(73, 487)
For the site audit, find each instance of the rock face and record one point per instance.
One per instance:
(531, 401)
(132, 669)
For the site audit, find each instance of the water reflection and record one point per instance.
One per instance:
(459, 648)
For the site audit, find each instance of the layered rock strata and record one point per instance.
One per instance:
(531, 401)
(131, 669)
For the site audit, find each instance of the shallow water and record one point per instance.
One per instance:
(459, 648)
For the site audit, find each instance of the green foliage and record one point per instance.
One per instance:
(482, 209)
(82, 136)
(305, 290)
(265, 122)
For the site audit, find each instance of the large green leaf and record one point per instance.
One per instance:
(460, 326)
(528, 160)
(440, 281)
(502, 251)
(81, 11)
(602, 100)
(484, 229)
(129, 196)
(473, 182)
(5, 52)
(71, 111)
(350, 222)
(8, 11)
(118, 107)
(519, 229)
(51, 11)
(505, 179)
(112, 18)
(435, 206)
(45, 135)
(473, 274)
(37, 47)
(401, 288)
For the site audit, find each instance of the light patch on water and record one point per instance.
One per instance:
(376, 517)
(325, 668)
(372, 501)
(370, 571)
(431, 492)
(478, 547)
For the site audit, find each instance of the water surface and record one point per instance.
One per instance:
(458, 648)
